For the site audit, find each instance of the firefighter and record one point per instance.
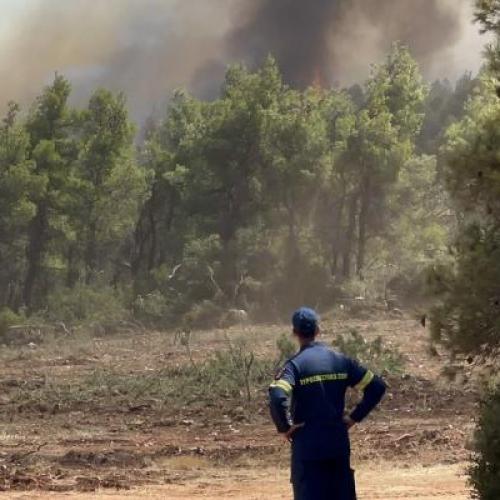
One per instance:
(307, 402)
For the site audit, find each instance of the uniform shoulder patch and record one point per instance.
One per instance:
(279, 373)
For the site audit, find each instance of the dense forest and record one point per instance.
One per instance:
(262, 199)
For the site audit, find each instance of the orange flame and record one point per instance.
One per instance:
(319, 80)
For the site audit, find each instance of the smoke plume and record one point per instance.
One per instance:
(297, 33)
(148, 47)
(342, 38)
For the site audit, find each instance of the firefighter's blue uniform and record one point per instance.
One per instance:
(310, 390)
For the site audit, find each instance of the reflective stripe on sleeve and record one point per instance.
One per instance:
(283, 385)
(365, 381)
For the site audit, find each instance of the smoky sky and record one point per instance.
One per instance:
(295, 32)
(149, 47)
(335, 37)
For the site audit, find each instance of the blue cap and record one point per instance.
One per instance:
(305, 321)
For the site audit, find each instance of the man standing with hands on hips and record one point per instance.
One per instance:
(307, 402)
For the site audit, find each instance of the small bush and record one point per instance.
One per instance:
(86, 303)
(152, 308)
(235, 372)
(373, 354)
(485, 472)
(205, 314)
(286, 348)
(8, 318)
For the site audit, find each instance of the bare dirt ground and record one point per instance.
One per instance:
(444, 482)
(69, 427)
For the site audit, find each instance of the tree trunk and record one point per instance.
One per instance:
(362, 225)
(91, 252)
(349, 239)
(34, 254)
(228, 224)
(166, 248)
(153, 237)
(141, 236)
(71, 271)
(338, 237)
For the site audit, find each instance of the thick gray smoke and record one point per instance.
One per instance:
(296, 32)
(341, 38)
(148, 47)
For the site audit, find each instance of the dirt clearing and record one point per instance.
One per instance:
(119, 417)
(385, 482)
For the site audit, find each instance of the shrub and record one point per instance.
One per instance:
(373, 354)
(205, 314)
(286, 348)
(468, 319)
(235, 372)
(151, 308)
(86, 303)
(485, 472)
(8, 318)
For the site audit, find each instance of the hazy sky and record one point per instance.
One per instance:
(148, 47)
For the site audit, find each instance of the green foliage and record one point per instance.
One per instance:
(203, 315)
(152, 309)
(52, 150)
(86, 304)
(18, 184)
(262, 199)
(383, 140)
(286, 348)
(444, 105)
(70, 190)
(110, 185)
(373, 354)
(8, 318)
(291, 186)
(235, 372)
(468, 319)
(422, 222)
(485, 472)
(488, 15)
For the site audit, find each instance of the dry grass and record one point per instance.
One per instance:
(130, 406)
(376, 482)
